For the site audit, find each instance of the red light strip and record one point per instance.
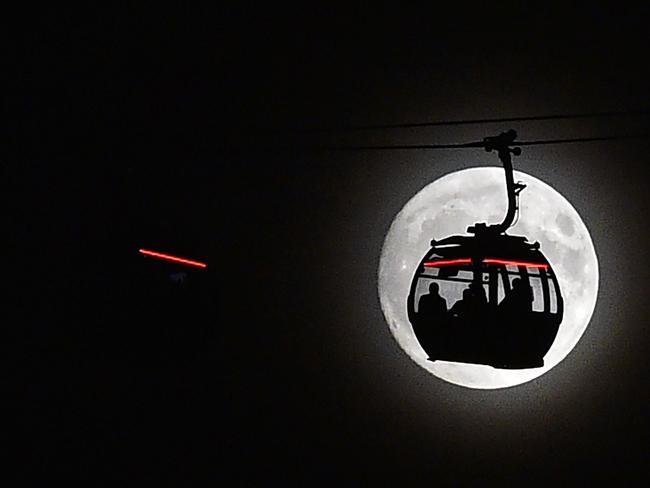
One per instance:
(443, 262)
(172, 258)
(515, 263)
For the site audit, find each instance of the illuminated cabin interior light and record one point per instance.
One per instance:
(169, 257)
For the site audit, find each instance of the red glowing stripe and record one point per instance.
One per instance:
(515, 263)
(442, 262)
(172, 258)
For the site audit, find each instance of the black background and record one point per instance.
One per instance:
(181, 130)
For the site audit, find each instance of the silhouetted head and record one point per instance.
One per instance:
(476, 287)
(434, 288)
(467, 294)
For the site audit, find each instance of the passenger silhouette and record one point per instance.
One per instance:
(479, 297)
(519, 300)
(432, 307)
(463, 307)
(515, 322)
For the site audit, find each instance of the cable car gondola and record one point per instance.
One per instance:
(510, 306)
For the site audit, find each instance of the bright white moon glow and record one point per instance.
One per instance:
(447, 207)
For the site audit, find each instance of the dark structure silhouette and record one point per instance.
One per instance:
(511, 307)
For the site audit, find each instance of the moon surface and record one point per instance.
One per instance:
(447, 207)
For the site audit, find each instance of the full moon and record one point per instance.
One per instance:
(447, 207)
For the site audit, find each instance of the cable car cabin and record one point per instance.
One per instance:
(487, 299)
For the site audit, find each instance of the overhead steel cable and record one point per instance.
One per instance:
(631, 113)
(477, 144)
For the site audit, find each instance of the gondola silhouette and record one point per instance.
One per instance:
(511, 306)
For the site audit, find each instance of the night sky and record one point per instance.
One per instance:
(189, 132)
